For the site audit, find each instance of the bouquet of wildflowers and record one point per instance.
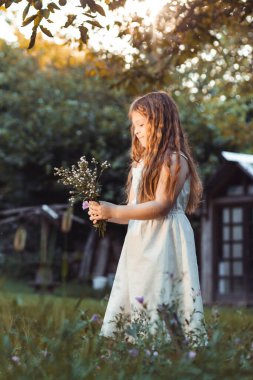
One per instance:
(83, 178)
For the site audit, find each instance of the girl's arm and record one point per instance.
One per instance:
(157, 208)
(122, 221)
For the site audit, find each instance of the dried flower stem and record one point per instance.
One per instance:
(83, 178)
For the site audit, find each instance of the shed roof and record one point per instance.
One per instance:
(229, 169)
(244, 161)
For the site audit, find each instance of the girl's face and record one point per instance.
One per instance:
(140, 127)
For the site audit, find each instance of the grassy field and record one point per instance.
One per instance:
(55, 337)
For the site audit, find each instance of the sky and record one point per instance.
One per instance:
(149, 8)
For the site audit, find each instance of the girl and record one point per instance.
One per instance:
(158, 259)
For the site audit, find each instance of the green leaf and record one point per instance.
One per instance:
(38, 19)
(32, 38)
(89, 15)
(46, 31)
(99, 9)
(45, 13)
(8, 3)
(29, 20)
(94, 23)
(83, 33)
(25, 12)
(52, 7)
(83, 3)
(70, 20)
(92, 4)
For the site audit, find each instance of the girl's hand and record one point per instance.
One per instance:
(100, 211)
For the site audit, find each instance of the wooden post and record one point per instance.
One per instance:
(88, 251)
(102, 254)
(44, 240)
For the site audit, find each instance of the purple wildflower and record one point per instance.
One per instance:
(155, 353)
(133, 352)
(85, 205)
(95, 318)
(140, 299)
(191, 354)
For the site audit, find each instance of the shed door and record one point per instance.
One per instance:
(234, 250)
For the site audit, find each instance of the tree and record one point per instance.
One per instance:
(50, 117)
(218, 29)
(41, 13)
(190, 24)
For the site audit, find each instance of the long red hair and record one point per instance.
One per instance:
(164, 136)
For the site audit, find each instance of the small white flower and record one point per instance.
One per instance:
(15, 359)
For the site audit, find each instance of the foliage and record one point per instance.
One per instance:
(49, 119)
(48, 337)
(213, 29)
(38, 12)
(190, 23)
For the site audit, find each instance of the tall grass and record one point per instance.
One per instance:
(48, 337)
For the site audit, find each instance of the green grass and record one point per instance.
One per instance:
(54, 337)
(74, 289)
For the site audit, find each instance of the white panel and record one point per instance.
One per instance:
(237, 250)
(225, 233)
(225, 215)
(223, 286)
(237, 233)
(237, 268)
(236, 215)
(223, 268)
(225, 251)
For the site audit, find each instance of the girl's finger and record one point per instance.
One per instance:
(93, 203)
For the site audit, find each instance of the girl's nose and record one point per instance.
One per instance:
(136, 131)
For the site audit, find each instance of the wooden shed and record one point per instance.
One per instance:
(227, 233)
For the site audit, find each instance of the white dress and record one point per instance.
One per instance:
(158, 262)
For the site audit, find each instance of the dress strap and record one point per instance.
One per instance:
(182, 154)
